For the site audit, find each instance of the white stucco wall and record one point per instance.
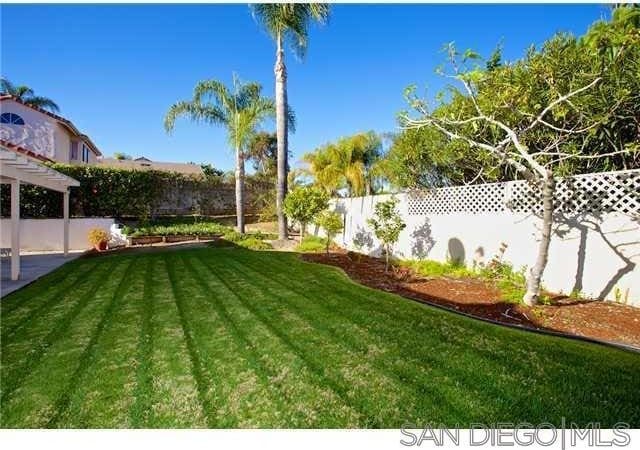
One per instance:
(39, 133)
(597, 256)
(47, 234)
(42, 134)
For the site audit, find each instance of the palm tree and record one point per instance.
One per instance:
(286, 23)
(347, 164)
(241, 111)
(26, 95)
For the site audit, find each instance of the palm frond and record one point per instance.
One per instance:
(7, 86)
(41, 102)
(291, 21)
(193, 111)
(212, 90)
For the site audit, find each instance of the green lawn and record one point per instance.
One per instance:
(228, 337)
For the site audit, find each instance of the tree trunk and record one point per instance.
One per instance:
(532, 295)
(328, 243)
(239, 191)
(303, 230)
(386, 258)
(282, 136)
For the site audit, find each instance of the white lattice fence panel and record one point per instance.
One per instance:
(477, 198)
(592, 193)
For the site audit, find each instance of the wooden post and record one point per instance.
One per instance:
(15, 229)
(65, 216)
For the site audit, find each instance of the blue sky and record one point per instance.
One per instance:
(115, 69)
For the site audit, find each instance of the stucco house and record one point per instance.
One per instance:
(44, 135)
(143, 163)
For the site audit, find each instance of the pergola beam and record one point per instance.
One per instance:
(17, 169)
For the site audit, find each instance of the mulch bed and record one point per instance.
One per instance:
(604, 321)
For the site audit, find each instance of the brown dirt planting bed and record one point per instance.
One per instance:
(604, 321)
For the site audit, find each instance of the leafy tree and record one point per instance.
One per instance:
(263, 153)
(347, 164)
(120, 156)
(26, 95)
(550, 114)
(331, 222)
(211, 172)
(241, 110)
(387, 225)
(287, 23)
(303, 204)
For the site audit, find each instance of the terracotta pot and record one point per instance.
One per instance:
(102, 246)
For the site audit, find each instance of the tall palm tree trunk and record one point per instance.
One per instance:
(239, 190)
(282, 136)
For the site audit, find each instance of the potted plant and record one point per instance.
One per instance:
(98, 238)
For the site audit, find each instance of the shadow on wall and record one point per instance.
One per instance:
(566, 219)
(423, 240)
(455, 251)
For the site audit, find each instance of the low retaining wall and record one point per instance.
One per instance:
(47, 234)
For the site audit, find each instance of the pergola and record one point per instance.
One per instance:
(16, 169)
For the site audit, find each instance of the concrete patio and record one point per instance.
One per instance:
(33, 266)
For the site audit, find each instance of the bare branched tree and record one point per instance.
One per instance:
(528, 141)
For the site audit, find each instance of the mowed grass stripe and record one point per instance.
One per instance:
(88, 356)
(141, 413)
(197, 369)
(413, 377)
(269, 312)
(312, 403)
(21, 356)
(421, 361)
(33, 402)
(105, 379)
(500, 361)
(21, 317)
(18, 299)
(174, 394)
(244, 379)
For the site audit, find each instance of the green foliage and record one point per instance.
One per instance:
(183, 229)
(109, 192)
(252, 241)
(332, 223)
(289, 23)
(303, 204)
(515, 94)
(121, 156)
(387, 225)
(349, 163)
(311, 244)
(27, 96)
(510, 283)
(210, 171)
(387, 222)
(431, 268)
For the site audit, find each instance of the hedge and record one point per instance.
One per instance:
(107, 192)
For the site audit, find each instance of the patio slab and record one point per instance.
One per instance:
(33, 266)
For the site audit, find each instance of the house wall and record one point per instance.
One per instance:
(47, 234)
(41, 134)
(596, 254)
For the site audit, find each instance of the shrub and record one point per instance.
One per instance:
(303, 204)
(97, 236)
(311, 244)
(387, 225)
(331, 223)
(187, 229)
(253, 243)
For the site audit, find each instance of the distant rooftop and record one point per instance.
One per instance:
(143, 163)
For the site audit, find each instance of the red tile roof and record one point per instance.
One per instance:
(24, 151)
